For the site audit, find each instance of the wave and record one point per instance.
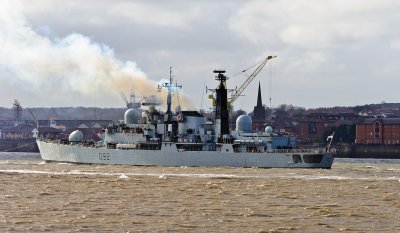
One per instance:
(200, 175)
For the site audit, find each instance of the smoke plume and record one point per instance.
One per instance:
(73, 64)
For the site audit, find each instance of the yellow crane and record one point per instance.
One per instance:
(238, 92)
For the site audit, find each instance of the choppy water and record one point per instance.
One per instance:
(353, 196)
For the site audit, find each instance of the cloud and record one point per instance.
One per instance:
(341, 47)
(97, 13)
(395, 44)
(348, 48)
(313, 24)
(75, 62)
(161, 14)
(66, 67)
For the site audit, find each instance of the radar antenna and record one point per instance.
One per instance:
(169, 86)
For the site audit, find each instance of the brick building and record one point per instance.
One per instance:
(335, 120)
(49, 132)
(378, 131)
(280, 125)
(17, 132)
(310, 130)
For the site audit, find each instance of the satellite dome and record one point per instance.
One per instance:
(76, 136)
(268, 129)
(131, 116)
(243, 123)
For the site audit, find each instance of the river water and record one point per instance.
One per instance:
(353, 196)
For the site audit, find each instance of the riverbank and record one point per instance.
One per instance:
(368, 151)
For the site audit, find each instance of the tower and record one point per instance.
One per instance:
(221, 107)
(169, 86)
(259, 111)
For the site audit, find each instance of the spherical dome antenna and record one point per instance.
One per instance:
(268, 129)
(244, 123)
(131, 116)
(76, 136)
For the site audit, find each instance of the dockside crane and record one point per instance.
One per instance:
(35, 130)
(239, 91)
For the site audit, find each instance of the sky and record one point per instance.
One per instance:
(84, 53)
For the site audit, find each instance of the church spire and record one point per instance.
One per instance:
(259, 100)
(259, 112)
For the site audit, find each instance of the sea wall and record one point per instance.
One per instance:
(369, 151)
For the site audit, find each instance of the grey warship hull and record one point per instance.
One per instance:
(169, 155)
(187, 138)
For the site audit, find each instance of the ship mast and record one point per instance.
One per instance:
(221, 106)
(169, 86)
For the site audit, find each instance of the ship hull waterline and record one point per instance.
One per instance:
(170, 156)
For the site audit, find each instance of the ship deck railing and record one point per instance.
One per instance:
(290, 151)
(304, 151)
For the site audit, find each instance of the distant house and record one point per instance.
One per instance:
(90, 128)
(378, 131)
(68, 124)
(281, 125)
(82, 126)
(18, 132)
(334, 120)
(49, 132)
(310, 130)
(97, 125)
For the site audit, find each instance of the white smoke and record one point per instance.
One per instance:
(73, 64)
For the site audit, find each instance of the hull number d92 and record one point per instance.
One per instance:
(104, 156)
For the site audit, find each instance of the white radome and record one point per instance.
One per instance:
(76, 136)
(131, 116)
(244, 123)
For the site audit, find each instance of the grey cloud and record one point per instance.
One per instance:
(323, 47)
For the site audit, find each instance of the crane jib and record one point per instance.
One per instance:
(249, 79)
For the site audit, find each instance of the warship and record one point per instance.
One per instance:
(187, 138)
